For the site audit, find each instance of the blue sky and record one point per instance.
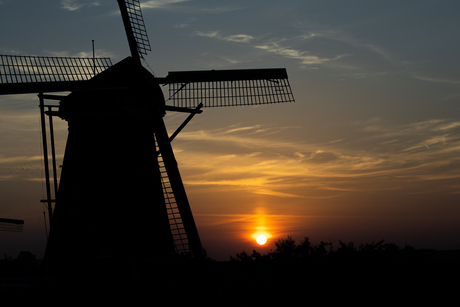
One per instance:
(369, 150)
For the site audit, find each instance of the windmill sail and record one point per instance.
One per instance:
(11, 225)
(33, 74)
(222, 88)
(135, 28)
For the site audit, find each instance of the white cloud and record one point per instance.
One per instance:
(239, 38)
(303, 56)
(449, 126)
(182, 25)
(437, 80)
(73, 5)
(243, 129)
(160, 4)
(211, 34)
(346, 38)
(273, 47)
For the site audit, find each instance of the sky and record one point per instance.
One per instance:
(369, 151)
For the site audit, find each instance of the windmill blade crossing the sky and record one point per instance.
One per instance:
(136, 32)
(34, 74)
(222, 88)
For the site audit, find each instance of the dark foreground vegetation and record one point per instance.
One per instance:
(373, 271)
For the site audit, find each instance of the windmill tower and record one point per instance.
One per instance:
(120, 195)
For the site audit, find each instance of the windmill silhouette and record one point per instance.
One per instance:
(120, 194)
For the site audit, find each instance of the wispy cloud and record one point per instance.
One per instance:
(243, 128)
(348, 39)
(210, 34)
(160, 4)
(73, 5)
(274, 46)
(397, 64)
(448, 126)
(304, 56)
(17, 159)
(239, 38)
(386, 157)
(437, 80)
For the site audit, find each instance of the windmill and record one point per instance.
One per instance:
(120, 194)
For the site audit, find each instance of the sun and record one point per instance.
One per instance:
(261, 240)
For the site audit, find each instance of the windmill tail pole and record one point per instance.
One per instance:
(45, 158)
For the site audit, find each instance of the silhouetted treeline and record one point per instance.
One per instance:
(19, 267)
(325, 271)
(373, 268)
(287, 249)
(349, 258)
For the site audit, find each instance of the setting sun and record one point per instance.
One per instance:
(261, 240)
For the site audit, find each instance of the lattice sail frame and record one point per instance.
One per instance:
(136, 20)
(22, 74)
(27, 69)
(228, 88)
(11, 225)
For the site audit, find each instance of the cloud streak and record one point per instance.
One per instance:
(437, 80)
(160, 4)
(239, 38)
(74, 5)
(305, 57)
(391, 158)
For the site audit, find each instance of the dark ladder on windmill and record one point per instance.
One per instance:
(178, 231)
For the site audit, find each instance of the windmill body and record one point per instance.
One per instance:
(110, 203)
(120, 195)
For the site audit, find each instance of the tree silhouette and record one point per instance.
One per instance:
(285, 248)
(305, 248)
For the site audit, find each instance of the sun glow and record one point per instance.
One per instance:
(261, 240)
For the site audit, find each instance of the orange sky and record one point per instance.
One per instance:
(370, 150)
(383, 183)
